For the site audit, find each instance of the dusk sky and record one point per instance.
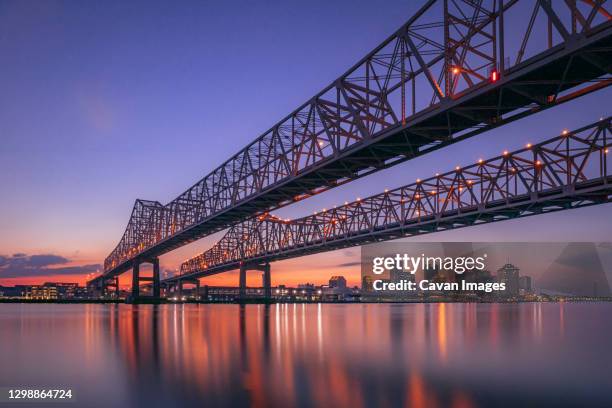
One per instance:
(106, 102)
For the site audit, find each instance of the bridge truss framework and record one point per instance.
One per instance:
(448, 73)
(571, 170)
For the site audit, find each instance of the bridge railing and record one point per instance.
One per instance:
(571, 160)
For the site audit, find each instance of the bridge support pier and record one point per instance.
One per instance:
(197, 290)
(156, 291)
(242, 282)
(135, 297)
(136, 281)
(267, 281)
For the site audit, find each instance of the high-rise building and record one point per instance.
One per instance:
(525, 283)
(398, 275)
(509, 274)
(337, 282)
(430, 273)
(367, 283)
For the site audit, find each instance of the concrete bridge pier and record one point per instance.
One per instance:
(267, 281)
(242, 283)
(135, 296)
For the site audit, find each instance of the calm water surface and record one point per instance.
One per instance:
(332, 355)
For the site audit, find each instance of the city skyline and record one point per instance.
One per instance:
(84, 139)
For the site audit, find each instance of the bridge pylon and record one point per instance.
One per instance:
(267, 281)
(135, 296)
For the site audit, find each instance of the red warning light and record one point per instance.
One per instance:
(494, 75)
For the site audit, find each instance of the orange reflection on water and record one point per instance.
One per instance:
(361, 355)
(417, 393)
(442, 331)
(278, 355)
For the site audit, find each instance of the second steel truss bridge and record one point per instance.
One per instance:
(569, 171)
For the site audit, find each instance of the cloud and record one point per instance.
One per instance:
(23, 265)
(349, 253)
(347, 264)
(168, 272)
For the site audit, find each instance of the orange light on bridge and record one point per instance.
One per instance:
(456, 71)
(528, 145)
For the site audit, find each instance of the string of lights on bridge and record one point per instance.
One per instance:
(273, 217)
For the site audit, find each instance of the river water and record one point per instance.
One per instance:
(312, 355)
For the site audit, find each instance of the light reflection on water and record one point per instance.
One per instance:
(330, 355)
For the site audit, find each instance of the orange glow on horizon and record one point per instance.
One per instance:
(316, 269)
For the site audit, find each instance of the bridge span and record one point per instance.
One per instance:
(569, 171)
(454, 69)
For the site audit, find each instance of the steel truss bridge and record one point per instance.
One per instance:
(568, 171)
(454, 69)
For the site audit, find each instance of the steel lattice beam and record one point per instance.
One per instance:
(569, 171)
(448, 73)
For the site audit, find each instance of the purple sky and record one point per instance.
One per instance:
(104, 102)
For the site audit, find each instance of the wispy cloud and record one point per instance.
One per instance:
(348, 264)
(22, 265)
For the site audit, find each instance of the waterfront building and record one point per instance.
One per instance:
(525, 284)
(367, 283)
(337, 282)
(509, 274)
(41, 292)
(398, 275)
